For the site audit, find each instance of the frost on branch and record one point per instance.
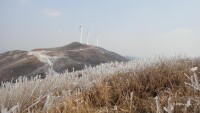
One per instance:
(159, 109)
(170, 107)
(194, 79)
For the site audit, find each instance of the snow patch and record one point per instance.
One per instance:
(43, 57)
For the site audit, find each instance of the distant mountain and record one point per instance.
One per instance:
(131, 57)
(53, 60)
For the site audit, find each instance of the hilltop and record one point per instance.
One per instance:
(42, 61)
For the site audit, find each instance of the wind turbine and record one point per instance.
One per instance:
(88, 36)
(81, 33)
(97, 36)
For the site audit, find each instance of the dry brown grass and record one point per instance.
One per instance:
(164, 79)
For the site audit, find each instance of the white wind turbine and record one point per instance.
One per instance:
(81, 33)
(97, 36)
(88, 36)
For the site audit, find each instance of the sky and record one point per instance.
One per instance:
(141, 28)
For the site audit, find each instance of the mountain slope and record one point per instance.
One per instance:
(53, 60)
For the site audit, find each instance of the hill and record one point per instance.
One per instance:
(74, 56)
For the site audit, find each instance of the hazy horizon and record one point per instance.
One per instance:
(129, 27)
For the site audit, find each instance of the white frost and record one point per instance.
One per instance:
(194, 69)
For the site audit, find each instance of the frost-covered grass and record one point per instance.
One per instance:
(28, 94)
(146, 85)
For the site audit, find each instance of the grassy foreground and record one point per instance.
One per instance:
(164, 85)
(137, 91)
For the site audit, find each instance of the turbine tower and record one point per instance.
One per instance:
(97, 36)
(81, 33)
(88, 36)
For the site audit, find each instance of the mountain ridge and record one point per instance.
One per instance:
(42, 61)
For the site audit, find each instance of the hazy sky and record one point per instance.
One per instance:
(130, 27)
